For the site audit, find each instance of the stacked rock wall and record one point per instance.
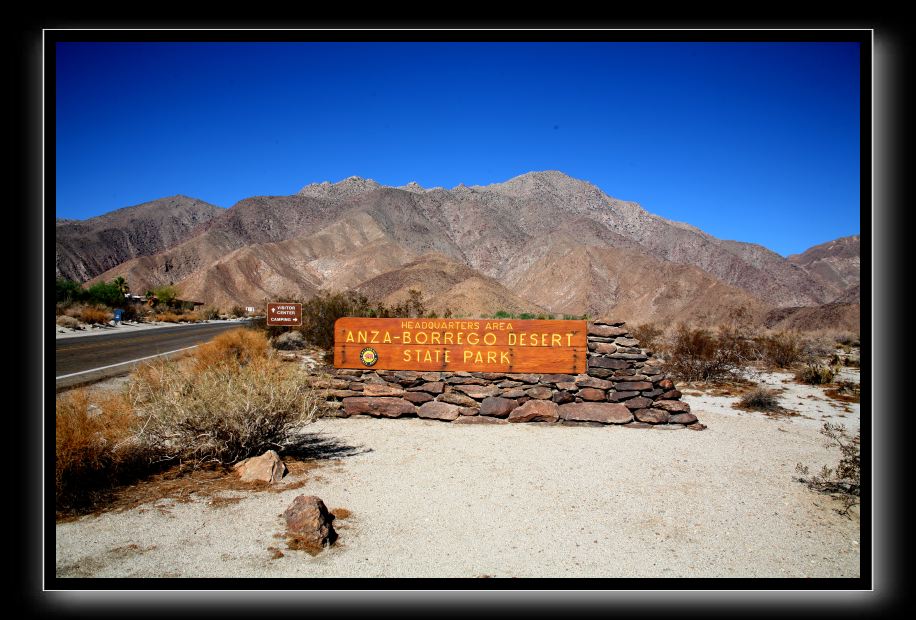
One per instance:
(622, 386)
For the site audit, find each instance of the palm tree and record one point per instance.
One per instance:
(121, 284)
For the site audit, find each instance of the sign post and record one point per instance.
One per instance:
(472, 345)
(284, 314)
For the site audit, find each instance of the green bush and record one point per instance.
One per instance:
(69, 291)
(166, 295)
(105, 293)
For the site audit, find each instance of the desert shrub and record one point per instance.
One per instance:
(781, 350)
(166, 295)
(234, 347)
(105, 293)
(648, 335)
(95, 315)
(237, 311)
(208, 313)
(69, 291)
(848, 339)
(169, 317)
(760, 399)
(697, 354)
(93, 444)
(68, 321)
(222, 412)
(816, 374)
(842, 481)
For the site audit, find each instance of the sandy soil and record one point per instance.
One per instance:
(431, 499)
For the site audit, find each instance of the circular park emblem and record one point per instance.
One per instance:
(368, 356)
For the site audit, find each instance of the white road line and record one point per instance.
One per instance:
(148, 357)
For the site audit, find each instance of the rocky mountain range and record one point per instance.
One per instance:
(540, 242)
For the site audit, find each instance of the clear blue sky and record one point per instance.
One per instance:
(748, 141)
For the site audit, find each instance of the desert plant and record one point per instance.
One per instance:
(781, 350)
(95, 315)
(68, 321)
(760, 399)
(222, 412)
(234, 347)
(93, 443)
(842, 481)
(169, 317)
(648, 335)
(697, 354)
(816, 374)
(166, 295)
(105, 293)
(69, 291)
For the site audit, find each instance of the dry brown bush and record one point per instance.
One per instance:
(222, 412)
(702, 355)
(648, 335)
(236, 346)
(94, 315)
(172, 317)
(844, 480)
(782, 349)
(68, 321)
(94, 442)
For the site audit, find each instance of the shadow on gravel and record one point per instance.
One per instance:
(320, 447)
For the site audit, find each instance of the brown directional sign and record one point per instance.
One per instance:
(473, 345)
(288, 314)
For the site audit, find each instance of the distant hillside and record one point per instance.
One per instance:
(835, 264)
(86, 248)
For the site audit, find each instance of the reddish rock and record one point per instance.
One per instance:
(628, 375)
(637, 425)
(372, 377)
(455, 398)
(569, 386)
(673, 406)
(653, 394)
(523, 399)
(308, 524)
(606, 413)
(682, 418)
(640, 402)
(606, 331)
(430, 376)
(601, 373)
(465, 381)
(508, 384)
(593, 382)
(524, 378)
(408, 376)
(342, 393)
(439, 411)
(378, 406)
(479, 391)
(562, 397)
(606, 363)
(378, 389)
(671, 395)
(625, 341)
(539, 392)
(468, 411)
(604, 347)
(696, 426)
(479, 419)
(491, 376)
(624, 386)
(556, 378)
(433, 387)
(418, 398)
(609, 320)
(267, 468)
(497, 407)
(619, 396)
(536, 411)
(666, 384)
(669, 427)
(592, 394)
(348, 372)
(356, 386)
(652, 416)
(513, 393)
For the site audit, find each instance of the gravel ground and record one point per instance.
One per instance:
(431, 499)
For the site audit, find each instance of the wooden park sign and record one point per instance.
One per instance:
(473, 345)
(284, 314)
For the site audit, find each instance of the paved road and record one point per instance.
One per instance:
(103, 354)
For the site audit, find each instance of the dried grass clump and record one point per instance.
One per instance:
(648, 335)
(760, 399)
(221, 412)
(782, 350)
(702, 355)
(94, 443)
(816, 374)
(93, 315)
(172, 317)
(236, 346)
(68, 321)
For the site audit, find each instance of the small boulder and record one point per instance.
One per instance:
(539, 392)
(439, 411)
(289, 341)
(536, 411)
(308, 524)
(497, 407)
(268, 467)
